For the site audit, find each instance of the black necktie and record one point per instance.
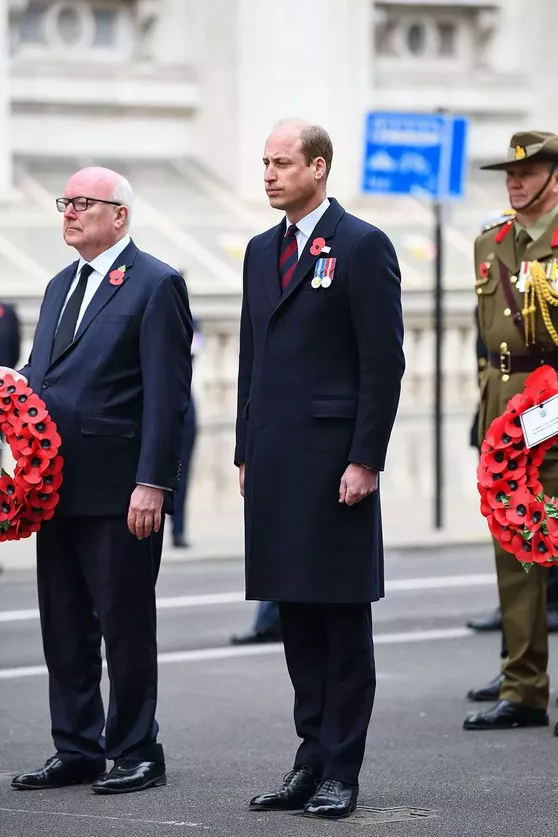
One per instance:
(67, 325)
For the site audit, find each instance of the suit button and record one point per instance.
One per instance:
(44, 385)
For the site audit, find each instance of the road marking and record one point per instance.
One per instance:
(180, 823)
(211, 599)
(227, 652)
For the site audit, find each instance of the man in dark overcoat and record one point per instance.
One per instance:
(321, 362)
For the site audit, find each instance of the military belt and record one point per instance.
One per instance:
(508, 363)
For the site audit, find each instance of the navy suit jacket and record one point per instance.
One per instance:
(120, 391)
(9, 336)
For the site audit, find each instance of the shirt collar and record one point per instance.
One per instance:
(540, 226)
(104, 261)
(307, 224)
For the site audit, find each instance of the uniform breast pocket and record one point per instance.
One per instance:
(488, 295)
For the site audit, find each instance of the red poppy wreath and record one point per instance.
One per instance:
(31, 495)
(520, 516)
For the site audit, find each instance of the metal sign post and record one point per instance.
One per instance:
(421, 155)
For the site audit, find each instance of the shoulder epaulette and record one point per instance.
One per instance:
(501, 219)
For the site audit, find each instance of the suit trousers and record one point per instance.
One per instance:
(95, 580)
(330, 659)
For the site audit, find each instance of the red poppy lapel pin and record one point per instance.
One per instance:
(116, 277)
(484, 270)
(319, 246)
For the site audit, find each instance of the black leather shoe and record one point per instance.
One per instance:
(507, 715)
(493, 622)
(180, 542)
(333, 800)
(56, 774)
(489, 692)
(297, 788)
(129, 775)
(256, 637)
(552, 621)
(556, 730)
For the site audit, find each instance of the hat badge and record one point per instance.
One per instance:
(520, 153)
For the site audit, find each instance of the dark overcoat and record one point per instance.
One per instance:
(319, 383)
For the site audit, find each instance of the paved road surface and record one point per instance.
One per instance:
(225, 717)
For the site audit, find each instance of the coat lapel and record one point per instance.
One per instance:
(505, 250)
(102, 295)
(541, 249)
(272, 250)
(42, 349)
(325, 228)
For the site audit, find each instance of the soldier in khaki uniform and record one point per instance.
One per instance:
(520, 333)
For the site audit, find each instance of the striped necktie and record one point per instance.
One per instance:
(288, 259)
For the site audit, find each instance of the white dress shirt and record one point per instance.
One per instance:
(101, 265)
(306, 225)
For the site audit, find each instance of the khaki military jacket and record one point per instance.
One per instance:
(497, 250)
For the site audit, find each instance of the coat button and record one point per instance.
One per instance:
(44, 385)
(479, 291)
(505, 378)
(507, 312)
(513, 279)
(503, 347)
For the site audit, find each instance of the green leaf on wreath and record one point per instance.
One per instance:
(526, 566)
(526, 534)
(5, 473)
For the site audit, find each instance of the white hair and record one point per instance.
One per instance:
(124, 194)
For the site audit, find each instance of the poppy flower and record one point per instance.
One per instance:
(33, 411)
(484, 270)
(317, 245)
(496, 462)
(39, 499)
(497, 436)
(512, 427)
(8, 507)
(516, 466)
(499, 515)
(542, 378)
(541, 551)
(534, 486)
(51, 482)
(502, 534)
(49, 442)
(13, 388)
(521, 548)
(519, 403)
(497, 494)
(535, 516)
(55, 466)
(518, 509)
(23, 445)
(32, 468)
(116, 277)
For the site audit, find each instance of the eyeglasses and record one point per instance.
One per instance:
(80, 204)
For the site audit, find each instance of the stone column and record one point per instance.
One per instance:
(263, 63)
(311, 63)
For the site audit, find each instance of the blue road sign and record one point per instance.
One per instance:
(417, 154)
